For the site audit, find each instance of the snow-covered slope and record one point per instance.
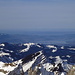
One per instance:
(41, 59)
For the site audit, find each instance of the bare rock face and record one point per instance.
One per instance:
(35, 71)
(71, 71)
(30, 71)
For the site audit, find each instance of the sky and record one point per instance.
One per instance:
(37, 15)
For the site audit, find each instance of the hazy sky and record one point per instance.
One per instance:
(37, 15)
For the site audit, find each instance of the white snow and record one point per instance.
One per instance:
(68, 56)
(63, 73)
(62, 47)
(1, 64)
(9, 68)
(28, 46)
(11, 58)
(50, 46)
(6, 68)
(48, 66)
(1, 48)
(27, 66)
(73, 67)
(39, 46)
(2, 54)
(58, 60)
(2, 73)
(18, 62)
(51, 57)
(71, 48)
(54, 50)
(43, 59)
(2, 45)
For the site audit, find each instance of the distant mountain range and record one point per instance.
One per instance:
(65, 39)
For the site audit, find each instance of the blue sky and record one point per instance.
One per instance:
(37, 15)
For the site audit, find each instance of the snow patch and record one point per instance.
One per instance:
(62, 47)
(28, 46)
(68, 56)
(51, 57)
(54, 50)
(39, 46)
(2, 45)
(48, 66)
(58, 60)
(2, 54)
(71, 48)
(50, 46)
